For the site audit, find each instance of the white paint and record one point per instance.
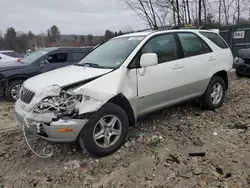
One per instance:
(149, 59)
(62, 77)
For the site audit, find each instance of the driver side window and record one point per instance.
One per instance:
(163, 45)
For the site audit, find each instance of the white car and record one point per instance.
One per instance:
(9, 55)
(96, 100)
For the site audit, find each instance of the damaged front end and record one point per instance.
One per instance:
(52, 115)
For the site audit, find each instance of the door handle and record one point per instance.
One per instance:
(177, 66)
(211, 59)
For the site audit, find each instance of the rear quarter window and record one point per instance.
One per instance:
(215, 38)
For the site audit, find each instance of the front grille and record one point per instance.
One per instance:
(26, 95)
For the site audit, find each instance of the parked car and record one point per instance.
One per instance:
(13, 74)
(9, 55)
(242, 62)
(96, 100)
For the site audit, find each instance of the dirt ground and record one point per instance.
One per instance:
(156, 155)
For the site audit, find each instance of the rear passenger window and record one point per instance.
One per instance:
(215, 38)
(192, 45)
(164, 46)
(77, 56)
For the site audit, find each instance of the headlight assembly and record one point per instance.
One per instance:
(65, 102)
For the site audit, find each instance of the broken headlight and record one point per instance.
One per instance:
(65, 102)
(238, 60)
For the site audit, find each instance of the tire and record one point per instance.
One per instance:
(86, 136)
(207, 101)
(8, 95)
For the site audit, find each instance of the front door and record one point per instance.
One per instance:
(163, 84)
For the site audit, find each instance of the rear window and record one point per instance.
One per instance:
(11, 54)
(215, 38)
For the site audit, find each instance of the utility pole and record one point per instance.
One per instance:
(219, 12)
(199, 12)
(178, 14)
(238, 20)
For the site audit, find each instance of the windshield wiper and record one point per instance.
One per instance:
(94, 65)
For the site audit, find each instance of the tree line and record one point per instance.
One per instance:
(155, 13)
(211, 13)
(20, 41)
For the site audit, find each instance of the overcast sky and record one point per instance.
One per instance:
(71, 16)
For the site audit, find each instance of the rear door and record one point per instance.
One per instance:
(198, 60)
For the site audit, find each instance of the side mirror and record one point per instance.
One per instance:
(149, 59)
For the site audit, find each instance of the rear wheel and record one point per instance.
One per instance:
(215, 93)
(105, 132)
(12, 91)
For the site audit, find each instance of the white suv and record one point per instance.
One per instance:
(96, 100)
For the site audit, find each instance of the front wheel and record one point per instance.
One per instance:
(105, 132)
(12, 91)
(215, 93)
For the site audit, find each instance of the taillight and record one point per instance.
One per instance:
(19, 59)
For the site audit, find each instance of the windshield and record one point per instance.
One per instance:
(113, 53)
(34, 56)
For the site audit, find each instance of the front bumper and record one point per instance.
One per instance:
(45, 128)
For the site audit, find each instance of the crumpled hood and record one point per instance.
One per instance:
(5, 66)
(63, 77)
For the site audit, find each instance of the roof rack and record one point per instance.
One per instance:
(162, 28)
(172, 27)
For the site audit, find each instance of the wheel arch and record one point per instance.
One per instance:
(18, 77)
(123, 102)
(223, 75)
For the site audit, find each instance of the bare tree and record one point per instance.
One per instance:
(147, 11)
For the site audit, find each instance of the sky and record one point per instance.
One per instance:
(71, 16)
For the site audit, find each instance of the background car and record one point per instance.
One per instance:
(13, 74)
(9, 55)
(242, 62)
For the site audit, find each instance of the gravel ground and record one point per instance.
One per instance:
(157, 153)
